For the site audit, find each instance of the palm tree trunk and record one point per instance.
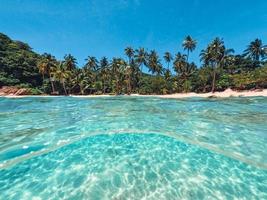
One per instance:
(51, 81)
(103, 86)
(81, 90)
(52, 84)
(64, 87)
(139, 81)
(69, 90)
(117, 87)
(129, 85)
(213, 81)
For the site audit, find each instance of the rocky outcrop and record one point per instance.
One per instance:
(12, 90)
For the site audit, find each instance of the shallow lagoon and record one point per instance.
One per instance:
(133, 148)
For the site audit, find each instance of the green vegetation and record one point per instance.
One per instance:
(221, 69)
(18, 63)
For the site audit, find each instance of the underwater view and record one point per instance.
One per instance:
(133, 148)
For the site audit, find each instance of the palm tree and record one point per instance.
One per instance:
(69, 62)
(82, 79)
(92, 63)
(168, 58)
(203, 77)
(118, 66)
(182, 67)
(189, 44)
(141, 58)
(210, 57)
(104, 77)
(179, 63)
(215, 55)
(103, 62)
(167, 74)
(46, 65)
(104, 72)
(61, 74)
(256, 50)
(42, 66)
(135, 75)
(128, 73)
(129, 52)
(154, 63)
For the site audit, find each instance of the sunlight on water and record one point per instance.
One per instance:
(133, 147)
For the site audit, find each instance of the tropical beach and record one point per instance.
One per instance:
(221, 70)
(131, 100)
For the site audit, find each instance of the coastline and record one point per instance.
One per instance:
(224, 94)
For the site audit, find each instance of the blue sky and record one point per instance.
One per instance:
(106, 27)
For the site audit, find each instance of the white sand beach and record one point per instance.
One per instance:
(224, 94)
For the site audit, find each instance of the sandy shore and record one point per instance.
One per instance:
(224, 94)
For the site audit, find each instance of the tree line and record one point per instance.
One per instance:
(172, 73)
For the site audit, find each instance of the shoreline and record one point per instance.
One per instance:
(225, 94)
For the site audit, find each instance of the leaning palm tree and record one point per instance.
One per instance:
(46, 65)
(168, 58)
(61, 74)
(189, 44)
(129, 52)
(256, 50)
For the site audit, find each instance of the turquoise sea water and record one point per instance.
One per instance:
(133, 148)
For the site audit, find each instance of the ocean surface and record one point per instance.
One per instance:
(133, 148)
